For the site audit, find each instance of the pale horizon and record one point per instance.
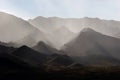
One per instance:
(29, 9)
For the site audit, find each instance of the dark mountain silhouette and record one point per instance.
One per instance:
(11, 61)
(60, 59)
(12, 67)
(5, 49)
(30, 56)
(94, 48)
(44, 48)
(55, 59)
(9, 44)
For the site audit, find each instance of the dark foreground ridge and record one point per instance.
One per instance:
(28, 64)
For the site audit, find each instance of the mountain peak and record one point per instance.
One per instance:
(44, 48)
(7, 15)
(91, 18)
(87, 30)
(3, 13)
(40, 17)
(24, 47)
(41, 43)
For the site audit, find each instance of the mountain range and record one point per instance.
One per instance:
(107, 27)
(88, 41)
(93, 47)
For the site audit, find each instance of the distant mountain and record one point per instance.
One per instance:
(13, 28)
(57, 34)
(107, 27)
(33, 38)
(18, 32)
(44, 48)
(30, 56)
(60, 36)
(56, 39)
(54, 31)
(46, 24)
(90, 46)
(62, 30)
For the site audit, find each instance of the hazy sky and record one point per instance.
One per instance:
(106, 9)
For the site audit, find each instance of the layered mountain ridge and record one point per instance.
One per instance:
(87, 40)
(92, 46)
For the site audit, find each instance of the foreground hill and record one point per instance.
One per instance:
(30, 56)
(5, 49)
(25, 63)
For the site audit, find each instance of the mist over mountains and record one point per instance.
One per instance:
(92, 47)
(107, 27)
(53, 31)
(85, 39)
(13, 28)
(59, 48)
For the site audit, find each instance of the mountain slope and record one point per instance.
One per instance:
(10, 64)
(60, 36)
(30, 56)
(107, 27)
(13, 28)
(91, 44)
(33, 38)
(60, 59)
(44, 48)
(45, 24)
(5, 49)
(57, 33)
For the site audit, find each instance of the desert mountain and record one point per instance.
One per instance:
(90, 44)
